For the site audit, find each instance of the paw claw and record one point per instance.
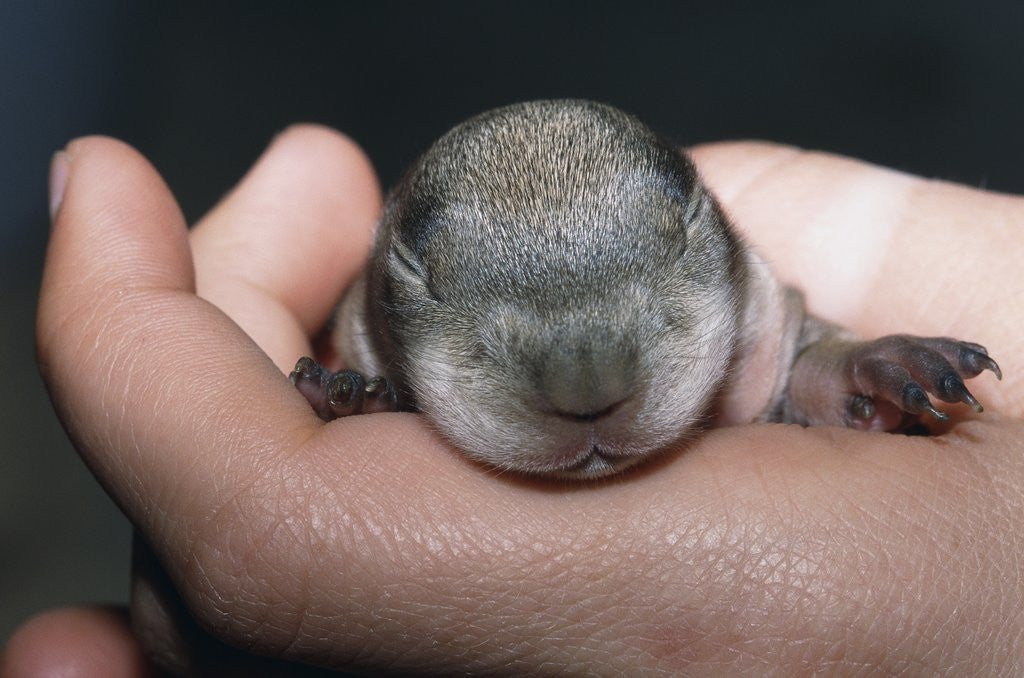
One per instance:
(305, 368)
(862, 407)
(380, 396)
(957, 392)
(308, 377)
(345, 393)
(915, 401)
(973, 359)
(989, 364)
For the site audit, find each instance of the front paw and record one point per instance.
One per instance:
(901, 371)
(339, 394)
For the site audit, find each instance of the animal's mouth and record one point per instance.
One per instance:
(596, 463)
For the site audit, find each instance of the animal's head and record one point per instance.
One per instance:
(558, 293)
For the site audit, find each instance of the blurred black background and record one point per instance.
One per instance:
(934, 88)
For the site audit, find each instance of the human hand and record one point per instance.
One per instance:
(368, 543)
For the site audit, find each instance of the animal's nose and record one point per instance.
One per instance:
(587, 381)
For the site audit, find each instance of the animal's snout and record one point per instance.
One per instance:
(586, 381)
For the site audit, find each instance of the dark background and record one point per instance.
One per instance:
(933, 88)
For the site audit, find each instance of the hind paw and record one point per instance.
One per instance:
(883, 384)
(901, 371)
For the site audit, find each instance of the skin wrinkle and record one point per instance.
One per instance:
(93, 320)
(121, 361)
(357, 528)
(200, 586)
(548, 627)
(286, 533)
(244, 575)
(920, 193)
(938, 590)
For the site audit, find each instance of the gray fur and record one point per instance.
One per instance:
(540, 264)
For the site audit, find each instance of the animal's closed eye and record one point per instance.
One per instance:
(408, 267)
(407, 259)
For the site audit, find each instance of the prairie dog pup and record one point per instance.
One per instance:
(555, 289)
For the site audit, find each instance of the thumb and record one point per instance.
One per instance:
(138, 367)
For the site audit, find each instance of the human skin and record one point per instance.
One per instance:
(368, 543)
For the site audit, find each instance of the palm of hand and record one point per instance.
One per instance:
(759, 546)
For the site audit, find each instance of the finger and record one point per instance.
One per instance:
(881, 251)
(158, 388)
(276, 253)
(86, 641)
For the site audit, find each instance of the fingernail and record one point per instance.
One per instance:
(59, 165)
